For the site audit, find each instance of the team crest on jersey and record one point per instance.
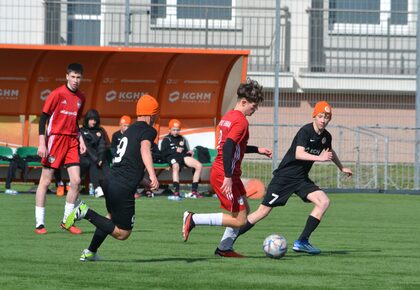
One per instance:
(241, 201)
(181, 143)
(51, 159)
(324, 140)
(79, 104)
(98, 134)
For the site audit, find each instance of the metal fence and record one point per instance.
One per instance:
(332, 36)
(380, 161)
(358, 55)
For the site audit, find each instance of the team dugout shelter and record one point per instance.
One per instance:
(196, 86)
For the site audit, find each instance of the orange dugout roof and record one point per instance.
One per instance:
(188, 83)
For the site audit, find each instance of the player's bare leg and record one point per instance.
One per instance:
(44, 182)
(40, 199)
(259, 214)
(121, 234)
(235, 220)
(175, 179)
(321, 203)
(194, 163)
(74, 175)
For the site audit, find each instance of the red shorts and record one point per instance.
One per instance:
(62, 149)
(234, 202)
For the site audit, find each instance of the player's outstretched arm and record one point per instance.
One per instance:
(301, 154)
(265, 151)
(337, 162)
(259, 150)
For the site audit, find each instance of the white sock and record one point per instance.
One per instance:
(210, 219)
(229, 237)
(68, 208)
(39, 216)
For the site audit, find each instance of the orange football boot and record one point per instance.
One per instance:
(73, 229)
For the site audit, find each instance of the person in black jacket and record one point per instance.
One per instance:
(175, 151)
(94, 157)
(125, 122)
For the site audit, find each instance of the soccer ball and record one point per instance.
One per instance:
(275, 246)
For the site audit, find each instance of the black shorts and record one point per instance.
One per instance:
(179, 158)
(120, 203)
(281, 189)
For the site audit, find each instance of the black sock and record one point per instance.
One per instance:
(194, 186)
(101, 222)
(245, 228)
(176, 186)
(311, 225)
(98, 238)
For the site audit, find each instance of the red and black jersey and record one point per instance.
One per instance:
(233, 125)
(64, 108)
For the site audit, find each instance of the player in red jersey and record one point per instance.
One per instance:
(59, 145)
(225, 176)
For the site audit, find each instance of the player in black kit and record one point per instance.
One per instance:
(132, 158)
(312, 143)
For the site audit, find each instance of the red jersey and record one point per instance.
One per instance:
(233, 125)
(64, 108)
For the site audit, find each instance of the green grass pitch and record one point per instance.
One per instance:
(369, 241)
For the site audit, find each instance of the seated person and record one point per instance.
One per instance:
(125, 122)
(95, 155)
(17, 162)
(175, 151)
(21, 163)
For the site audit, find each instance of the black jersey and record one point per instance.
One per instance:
(116, 138)
(128, 167)
(170, 144)
(313, 144)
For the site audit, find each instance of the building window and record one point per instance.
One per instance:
(365, 11)
(193, 14)
(399, 12)
(84, 22)
(156, 10)
(372, 16)
(198, 12)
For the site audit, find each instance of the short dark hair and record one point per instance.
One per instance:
(251, 90)
(75, 67)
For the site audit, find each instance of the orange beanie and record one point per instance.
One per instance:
(322, 107)
(147, 106)
(125, 120)
(174, 123)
